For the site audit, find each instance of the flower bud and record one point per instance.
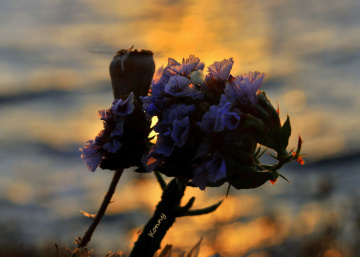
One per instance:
(132, 71)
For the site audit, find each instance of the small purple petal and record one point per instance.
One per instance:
(179, 86)
(211, 170)
(187, 66)
(216, 168)
(183, 69)
(180, 132)
(177, 112)
(92, 154)
(121, 107)
(119, 127)
(112, 146)
(176, 85)
(164, 145)
(243, 90)
(221, 69)
(105, 115)
(172, 62)
(200, 177)
(208, 121)
(225, 119)
(255, 79)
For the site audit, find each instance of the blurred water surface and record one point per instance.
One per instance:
(54, 58)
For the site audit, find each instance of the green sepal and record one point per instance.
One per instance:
(267, 140)
(284, 134)
(243, 176)
(284, 178)
(160, 179)
(278, 139)
(264, 101)
(182, 210)
(253, 123)
(203, 210)
(248, 180)
(241, 153)
(228, 191)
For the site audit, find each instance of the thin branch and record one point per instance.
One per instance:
(105, 203)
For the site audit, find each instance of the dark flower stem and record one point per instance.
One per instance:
(105, 203)
(164, 216)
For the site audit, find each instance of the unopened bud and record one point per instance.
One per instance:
(132, 71)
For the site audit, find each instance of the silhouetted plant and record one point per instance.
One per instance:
(210, 129)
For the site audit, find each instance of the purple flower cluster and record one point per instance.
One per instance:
(208, 128)
(198, 118)
(107, 141)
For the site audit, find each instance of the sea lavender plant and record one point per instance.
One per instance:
(209, 132)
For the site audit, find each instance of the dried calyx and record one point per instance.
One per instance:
(132, 71)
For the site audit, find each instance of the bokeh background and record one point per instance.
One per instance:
(54, 58)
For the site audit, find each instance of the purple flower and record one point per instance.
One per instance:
(112, 146)
(243, 89)
(96, 150)
(221, 69)
(179, 86)
(187, 66)
(193, 59)
(200, 177)
(169, 115)
(177, 112)
(118, 130)
(216, 168)
(208, 121)
(180, 132)
(164, 144)
(172, 62)
(154, 103)
(92, 153)
(220, 117)
(105, 115)
(163, 75)
(211, 171)
(226, 119)
(121, 108)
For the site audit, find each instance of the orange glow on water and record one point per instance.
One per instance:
(222, 231)
(239, 237)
